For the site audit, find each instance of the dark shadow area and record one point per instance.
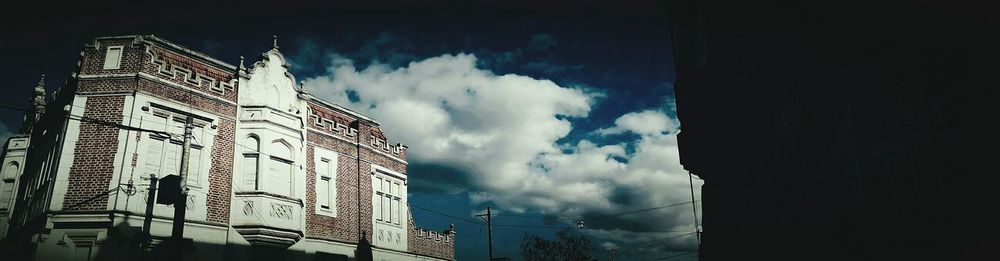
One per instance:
(843, 131)
(124, 243)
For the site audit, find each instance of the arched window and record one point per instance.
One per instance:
(279, 176)
(251, 163)
(7, 184)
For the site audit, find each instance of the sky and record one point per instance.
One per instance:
(547, 113)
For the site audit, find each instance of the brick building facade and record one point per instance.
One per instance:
(274, 172)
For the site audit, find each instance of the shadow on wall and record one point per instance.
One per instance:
(125, 243)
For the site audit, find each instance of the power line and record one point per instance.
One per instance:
(671, 257)
(443, 214)
(257, 215)
(605, 215)
(125, 127)
(638, 244)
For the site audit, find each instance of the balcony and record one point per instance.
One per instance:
(266, 219)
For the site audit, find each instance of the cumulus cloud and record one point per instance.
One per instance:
(499, 136)
(648, 122)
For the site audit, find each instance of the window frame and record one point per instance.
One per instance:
(321, 155)
(255, 154)
(390, 202)
(201, 133)
(118, 61)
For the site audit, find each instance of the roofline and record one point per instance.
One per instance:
(174, 47)
(340, 108)
(207, 58)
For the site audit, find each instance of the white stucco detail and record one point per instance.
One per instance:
(68, 153)
(389, 228)
(270, 84)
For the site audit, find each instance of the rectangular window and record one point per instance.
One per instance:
(6, 188)
(172, 159)
(154, 155)
(194, 168)
(325, 164)
(113, 58)
(250, 171)
(280, 177)
(323, 194)
(386, 204)
(323, 191)
(395, 203)
(395, 211)
(387, 199)
(377, 198)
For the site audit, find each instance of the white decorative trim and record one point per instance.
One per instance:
(166, 69)
(107, 75)
(384, 145)
(177, 85)
(391, 157)
(337, 107)
(318, 155)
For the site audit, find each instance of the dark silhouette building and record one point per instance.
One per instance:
(840, 131)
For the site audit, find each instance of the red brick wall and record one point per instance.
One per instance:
(321, 111)
(195, 66)
(430, 246)
(92, 61)
(93, 163)
(220, 176)
(345, 226)
(93, 160)
(184, 97)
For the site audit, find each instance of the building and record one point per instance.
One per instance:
(840, 131)
(275, 172)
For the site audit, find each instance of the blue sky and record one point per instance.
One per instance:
(549, 114)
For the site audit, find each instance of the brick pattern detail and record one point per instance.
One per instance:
(187, 98)
(132, 58)
(87, 86)
(93, 162)
(440, 245)
(221, 173)
(345, 226)
(332, 122)
(196, 67)
(90, 174)
(157, 89)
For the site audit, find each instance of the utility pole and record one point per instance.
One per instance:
(180, 207)
(489, 228)
(150, 201)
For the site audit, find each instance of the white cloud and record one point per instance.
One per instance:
(502, 130)
(648, 122)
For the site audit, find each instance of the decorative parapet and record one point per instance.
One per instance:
(376, 142)
(180, 73)
(440, 244)
(335, 127)
(445, 236)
